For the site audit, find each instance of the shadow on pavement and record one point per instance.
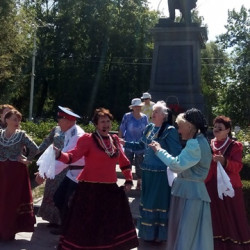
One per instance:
(40, 239)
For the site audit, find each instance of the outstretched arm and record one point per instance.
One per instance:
(188, 157)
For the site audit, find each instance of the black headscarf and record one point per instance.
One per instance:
(196, 117)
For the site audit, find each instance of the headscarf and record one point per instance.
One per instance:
(196, 117)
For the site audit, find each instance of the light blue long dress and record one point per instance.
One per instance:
(190, 225)
(156, 192)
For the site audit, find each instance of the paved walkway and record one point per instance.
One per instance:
(42, 239)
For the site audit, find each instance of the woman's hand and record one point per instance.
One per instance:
(155, 146)
(219, 158)
(23, 159)
(39, 179)
(122, 141)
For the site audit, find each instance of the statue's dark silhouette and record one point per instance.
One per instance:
(185, 7)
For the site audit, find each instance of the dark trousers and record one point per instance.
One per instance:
(63, 196)
(137, 160)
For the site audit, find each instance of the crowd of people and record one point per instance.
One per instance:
(190, 193)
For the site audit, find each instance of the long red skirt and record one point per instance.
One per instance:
(16, 206)
(230, 226)
(99, 218)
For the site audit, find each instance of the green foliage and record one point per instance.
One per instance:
(14, 52)
(38, 131)
(233, 97)
(89, 128)
(89, 54)
(115, 126)
(244, 136)
(98, 53)
(215, 68)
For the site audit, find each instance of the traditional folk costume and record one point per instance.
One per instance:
(190, 225)
(68, 182)
(230, 226)
(67, 187)
(155, 193)
(16, 205)
(48, 211)
(100, 216)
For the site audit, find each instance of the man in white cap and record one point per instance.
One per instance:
(147, 107)
(67, 121)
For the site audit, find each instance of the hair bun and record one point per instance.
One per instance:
(196, 117)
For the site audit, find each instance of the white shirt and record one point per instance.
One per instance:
(70, 140)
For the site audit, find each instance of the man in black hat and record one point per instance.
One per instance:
(67, 121)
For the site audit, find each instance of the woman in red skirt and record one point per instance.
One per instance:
(230, 226)
(16, 206)
(100, 216)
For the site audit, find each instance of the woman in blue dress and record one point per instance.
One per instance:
(156, 192)
(190, 225)
(131, 129)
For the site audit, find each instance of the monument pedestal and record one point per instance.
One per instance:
(176, 65)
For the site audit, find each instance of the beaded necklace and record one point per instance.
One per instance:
(13, 139)
(151, 135)
(108, 150)
(223, 145)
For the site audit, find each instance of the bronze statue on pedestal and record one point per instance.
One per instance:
(185, 7)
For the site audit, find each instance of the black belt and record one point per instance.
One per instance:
(73, 167)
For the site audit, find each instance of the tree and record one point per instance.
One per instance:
(14, 51)
(215, 67)
(95, 54)
(233, 98)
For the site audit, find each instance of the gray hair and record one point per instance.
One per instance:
(162, 105)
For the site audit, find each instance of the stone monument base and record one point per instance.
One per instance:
(175, 75)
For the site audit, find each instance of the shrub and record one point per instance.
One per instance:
(38, 131)
(244, 137)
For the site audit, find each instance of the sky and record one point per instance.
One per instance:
(215, 12)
